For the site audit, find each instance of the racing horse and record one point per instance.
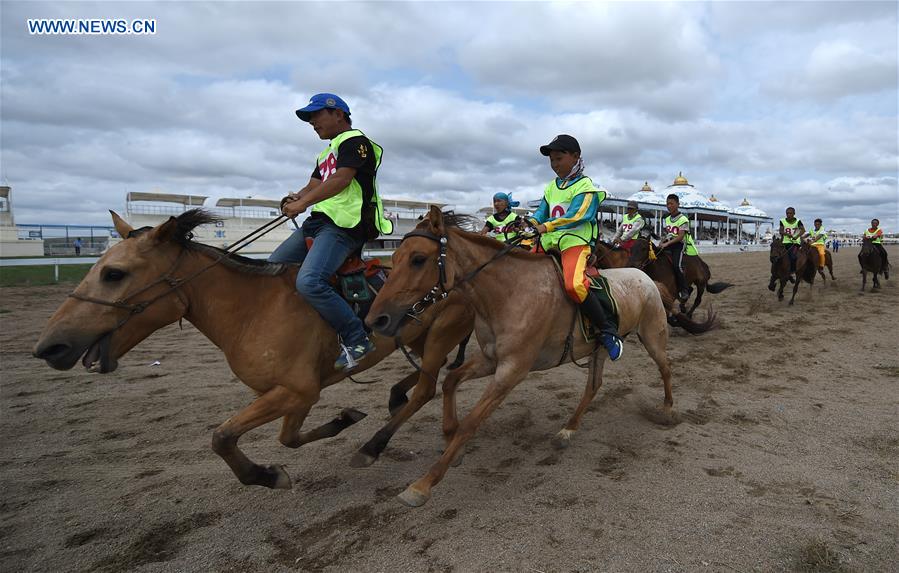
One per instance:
(870, 260)
(659, 266)
(274, 341)
(438, 257)
(806, 267)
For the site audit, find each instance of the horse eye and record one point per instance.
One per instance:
(419, 260)
(113, 275)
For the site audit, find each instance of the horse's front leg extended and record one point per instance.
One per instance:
(507, 377)
(421, 395)
(273, 404)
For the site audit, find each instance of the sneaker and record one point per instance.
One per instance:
(351, 355)
(614, 346)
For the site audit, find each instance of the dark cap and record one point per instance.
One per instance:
(561, 143)
(322, 101)
(632, 205)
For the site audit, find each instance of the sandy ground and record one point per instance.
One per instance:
(786, 457)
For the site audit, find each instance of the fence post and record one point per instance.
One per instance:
(56, 270)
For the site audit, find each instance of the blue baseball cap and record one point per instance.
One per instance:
(322, 101)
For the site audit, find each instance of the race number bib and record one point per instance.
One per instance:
(327, 167)
(557, 210)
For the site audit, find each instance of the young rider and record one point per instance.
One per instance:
(791, 232)
(346, 211)
(818, 237)
(629, 229)
(679, 242)
(566, 219)
(500, 223)
(875, 235)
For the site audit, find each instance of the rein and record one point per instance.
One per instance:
(439, 291)
(175, 283)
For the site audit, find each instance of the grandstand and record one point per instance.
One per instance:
(11, 244)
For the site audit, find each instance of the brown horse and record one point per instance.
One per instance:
(274, 342)
(525, 322)
(661, 268)
(806, 265)
(605, 256)
(871, 261)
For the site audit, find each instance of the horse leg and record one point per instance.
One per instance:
(876, 282)
(700, 288)
(507, 377)
(864, 279)
(421, 395)
(780, 291)
(292, 437)
(398, 393)
(277, 402)
(594, 382)
(460, 356)
(795, 287)
(477, 366)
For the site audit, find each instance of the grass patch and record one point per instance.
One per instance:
(41, 275)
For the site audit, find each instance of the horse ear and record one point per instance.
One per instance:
(435, 218)
(121, 226)
(165, 232)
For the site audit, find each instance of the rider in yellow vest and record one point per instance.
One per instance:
(566, 219)
(679, 242)
(791, 232)
(346, 212)
(875, 235)
(818, 237)
(629, 229)
(501, 222)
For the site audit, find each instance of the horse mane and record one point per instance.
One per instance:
(465, 223)
(186, 222)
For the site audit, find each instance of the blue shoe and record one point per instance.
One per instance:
(614, 346)
(351, 355)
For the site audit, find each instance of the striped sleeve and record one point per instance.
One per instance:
(581, 210)
(542, 212)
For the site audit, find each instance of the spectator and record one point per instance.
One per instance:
(77, 245)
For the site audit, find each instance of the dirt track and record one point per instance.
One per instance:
(786, 457)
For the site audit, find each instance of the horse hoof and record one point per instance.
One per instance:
(277, 477)
(562, 440)
(362, 460)
(413, 497)
(352, 415)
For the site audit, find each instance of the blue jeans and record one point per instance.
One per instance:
(332, 246)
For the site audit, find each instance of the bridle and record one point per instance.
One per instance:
(439, 291)
(175, 283)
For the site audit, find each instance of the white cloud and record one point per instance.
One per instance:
(778, 104)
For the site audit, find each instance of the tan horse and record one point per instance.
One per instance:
(274, 342)
(524, 322)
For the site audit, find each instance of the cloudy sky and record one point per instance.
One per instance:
(784, 103)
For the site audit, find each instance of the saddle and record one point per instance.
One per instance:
(357, 280)
(599, 286)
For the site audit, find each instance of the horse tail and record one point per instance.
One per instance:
(694, 327)
(679, 319)
(715, 288)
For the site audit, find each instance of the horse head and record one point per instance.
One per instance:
(127, 295)
(419, 276)
(778, 250)
(639, 253)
